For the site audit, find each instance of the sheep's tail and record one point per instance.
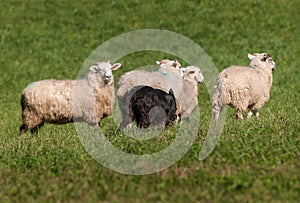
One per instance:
(218, 99)
(23, 102)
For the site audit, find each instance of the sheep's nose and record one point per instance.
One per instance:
(273, 67)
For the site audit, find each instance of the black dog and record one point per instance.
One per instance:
(152, 106)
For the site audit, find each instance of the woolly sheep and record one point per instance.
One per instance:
(244, 87)
(168, 69)
(64, 101)
(188, 99)
(149, 106)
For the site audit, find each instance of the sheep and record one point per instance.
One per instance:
(65, 101)
(243, 87)
(152, 106)
(188, 97)
(168, 69)
(183, 85)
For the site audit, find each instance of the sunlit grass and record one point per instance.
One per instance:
(256, 160)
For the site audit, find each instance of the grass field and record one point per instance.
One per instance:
(256, 160)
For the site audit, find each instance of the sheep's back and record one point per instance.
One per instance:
(163, 81)
(241, 81)
(51, 99)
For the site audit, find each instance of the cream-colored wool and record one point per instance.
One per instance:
(244, 87)
(166, 77)
(64, 101)
(188, 99)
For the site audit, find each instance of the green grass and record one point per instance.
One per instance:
(256, 160)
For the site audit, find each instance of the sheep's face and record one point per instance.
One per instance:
(104, 69)
(194, 73)
(265, 58)
(166, 63)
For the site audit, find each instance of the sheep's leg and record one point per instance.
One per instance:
(23, 129)
(216, 112)
(254, 108)
(173, 120)
(127, 119)
(253, 112)
(216, 115)
(30, 121)
(178, 119)
(239, 114)
(127, 114)
(35, 129)
(96, 125)
(250, 113)
(241, 108)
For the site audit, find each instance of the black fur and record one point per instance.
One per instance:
(152, 106)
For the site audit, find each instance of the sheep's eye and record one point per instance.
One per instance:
(264, 58)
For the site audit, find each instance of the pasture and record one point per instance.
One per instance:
(255, 160)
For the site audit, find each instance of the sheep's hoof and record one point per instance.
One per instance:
(250, 113)
(240, 117)
(127, 126)
(97, 127)
(22, 133)
(23, 130)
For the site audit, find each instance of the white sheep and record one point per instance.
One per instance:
(244, 87)
(64, 101)
(169, 71)
(188, 97)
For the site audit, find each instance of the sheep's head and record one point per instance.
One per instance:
(258, 59)
(193, 73)
(166, 63)
(104, 69)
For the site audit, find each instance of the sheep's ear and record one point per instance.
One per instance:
(157, 62)
(94, 69)
(109, 61)
(265, 56)
(116, 66)
(251, 56)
